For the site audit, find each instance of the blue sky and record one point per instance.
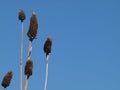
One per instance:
(86, 43)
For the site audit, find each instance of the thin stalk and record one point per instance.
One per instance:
(21, 55)
(46, 77)
(26, 82)
(30, 48)
(4, 88)
(26, 77)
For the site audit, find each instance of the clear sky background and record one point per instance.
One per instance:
(86, 43)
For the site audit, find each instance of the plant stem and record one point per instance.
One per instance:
(4, 88)
(30, 48)
(21, 56)
(26, 82)
(46, 77)
(26, 77)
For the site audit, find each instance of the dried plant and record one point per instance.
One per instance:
(47, 50)
(29, 67)
(32, 32)
(28, 71)
(7, 79)
(47, 45)
(21, 15)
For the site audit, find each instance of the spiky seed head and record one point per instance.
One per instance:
(7, 79)
(21, 15)
(48, 45)
(29, 67)
(32, 31)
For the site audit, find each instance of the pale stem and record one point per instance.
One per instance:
(46, 77)
(4, 88)
(30, 48)
(26, 82)
(21, 56)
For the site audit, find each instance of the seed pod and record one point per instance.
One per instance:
(7, 79)
(32, 32)
(29, 67)
(21, 15)
(47, 45)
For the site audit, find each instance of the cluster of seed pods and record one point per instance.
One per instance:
(28, 70)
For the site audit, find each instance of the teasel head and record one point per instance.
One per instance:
(29, 67)
(32, 32)
(21, 15)
(7, 79)
(48, 45)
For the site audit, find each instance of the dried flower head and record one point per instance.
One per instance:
(21, 15)
(29, 67)
(7, 79)
(47, 45)
(32, 32)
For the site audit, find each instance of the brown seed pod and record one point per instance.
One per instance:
(32, 32)
(7, 79)
(29, 67)
(21, 15)
(47, 45)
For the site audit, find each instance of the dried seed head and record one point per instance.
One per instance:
(47, 45)
(7, 79)
(32, 32)
(21, 15)
(29, 67)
